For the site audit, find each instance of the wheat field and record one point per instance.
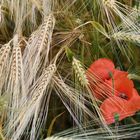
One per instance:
(69, 69)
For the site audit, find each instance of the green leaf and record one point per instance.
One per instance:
(99, 27)
(69, 54)
(52, 124)
(116, 117)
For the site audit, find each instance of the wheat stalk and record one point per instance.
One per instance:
(4, 53)
(32, 37)
(4, 57)
(109, 3)
(80, 72)
(36, 53)
(42, 84)
(1, 14)
(128, 131)
(69, 97)
(14, 82)
(126, 36)
(16, 64)
(44, 80)
(117, 8)
(47, 6)
(30, 107)
(22, 44)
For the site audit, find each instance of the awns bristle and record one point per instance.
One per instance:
(36, 53)
(30, 107)
(27, 79)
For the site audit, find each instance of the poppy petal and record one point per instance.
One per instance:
(135, 100)
(119, 73)
(115, 105)
(102, 68)
(121, 85)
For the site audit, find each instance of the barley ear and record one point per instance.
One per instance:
(127, 36)
(80, 72)
(109, 3)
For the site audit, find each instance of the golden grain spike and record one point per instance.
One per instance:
(38, 49)
(46, 31)
(44, 80)
(4, 69)
(16, 63)
(43, 33)
(4, 52)
(109, 3)
(22, 45)
(32, 103)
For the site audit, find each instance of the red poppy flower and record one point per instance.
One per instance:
(118, 85)
(121, 87)
(122, 107)
(114, 88)
(113, 106)
(101, 68)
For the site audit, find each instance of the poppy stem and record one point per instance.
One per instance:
(116, 118)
